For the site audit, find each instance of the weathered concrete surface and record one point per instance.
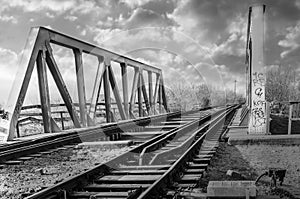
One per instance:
(231, 189)
(240, 139)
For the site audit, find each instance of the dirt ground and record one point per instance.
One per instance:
(31, 176)
(253, 160)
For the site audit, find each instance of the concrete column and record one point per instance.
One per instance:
(258, 120)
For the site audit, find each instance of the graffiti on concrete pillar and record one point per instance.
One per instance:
(258, 79)
(258, 101)
(259, 118)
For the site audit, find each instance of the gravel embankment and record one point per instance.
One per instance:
(262, 157)
(253, 160)
(38, 173)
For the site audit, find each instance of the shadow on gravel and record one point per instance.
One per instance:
(230, 158)
(227, 158)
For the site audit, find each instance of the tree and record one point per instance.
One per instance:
(281, 84)
(186, 96)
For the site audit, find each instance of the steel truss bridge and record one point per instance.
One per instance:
(39, 50)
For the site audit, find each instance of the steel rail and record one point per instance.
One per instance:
(85, 177)
(190, 127)
(12, 151)
(156, 189)
(125, 124)
(184, 145)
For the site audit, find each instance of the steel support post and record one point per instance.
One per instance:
(159, 99)
(44, 91)
(115, 90)
(96, 88)
(61, 86)
(125, 88)
(133, 91)
(150, 92)
(290, 118)
(156, 90)
(163, 93)
(139, 90)
(144, 90)
(80, 86)
(62, 121)
(107, 90)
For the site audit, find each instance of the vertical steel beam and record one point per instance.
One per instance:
(62, 120)
(107, 90)
(144, 93)
(160, 98)
(96, 88)
(155, 100)
(125, 88)
(44, 91)
(61, 85)
(248, 61)
(115, 90)
(290, 118)
(150, 91)
(139, 90)
(80, 86)
(133, 90)
(163, 93)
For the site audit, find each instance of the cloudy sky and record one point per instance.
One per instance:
(191, 40)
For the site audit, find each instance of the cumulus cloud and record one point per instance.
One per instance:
(236, 41)
(71, 18)
(96, 9)
(129, 40)
(135, 3)
(8, 59)
(8, 69)
(6, 18)
(291, 40)
(52, 8)
(41, 5)
(205, 18)
(143, 17)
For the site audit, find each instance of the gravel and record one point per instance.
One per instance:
(253, 160)
(33, 175)
(262, 157)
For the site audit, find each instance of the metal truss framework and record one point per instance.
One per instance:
(40, 52)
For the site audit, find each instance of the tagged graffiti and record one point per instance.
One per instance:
(258, 115)
(259, 103)
(259, 92)
(258, 79)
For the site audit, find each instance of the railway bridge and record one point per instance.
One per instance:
(171, 151)
(146, 95)
(151, 97)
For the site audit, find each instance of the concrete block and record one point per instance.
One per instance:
(231, 189)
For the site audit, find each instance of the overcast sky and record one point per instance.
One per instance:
(191, 40)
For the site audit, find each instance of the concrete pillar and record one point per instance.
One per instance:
(258, 120)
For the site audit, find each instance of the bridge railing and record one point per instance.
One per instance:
(294, 114)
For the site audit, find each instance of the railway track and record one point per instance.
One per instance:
(179, 156)
(139, 129)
